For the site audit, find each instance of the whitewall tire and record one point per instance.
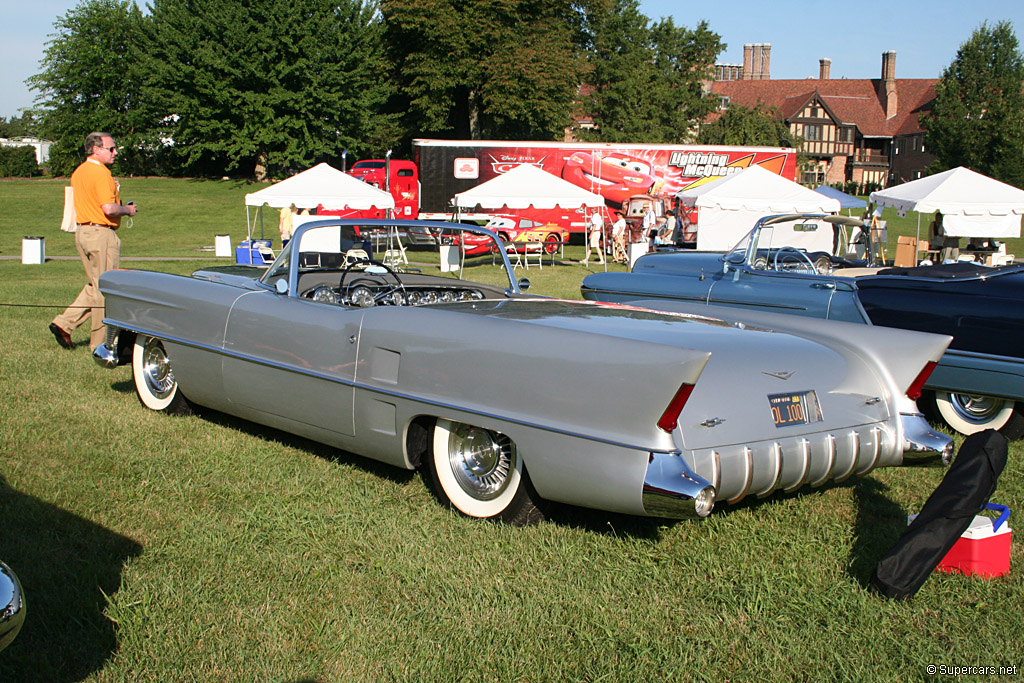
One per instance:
(479, 473)
(154, 378)
(970, 413)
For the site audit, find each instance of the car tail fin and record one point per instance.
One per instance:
(914, 390)
(670, 418)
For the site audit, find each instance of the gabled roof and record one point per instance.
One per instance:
(849, 100)
(322, 185)
(524, 186)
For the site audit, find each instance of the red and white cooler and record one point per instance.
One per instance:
(984, 548)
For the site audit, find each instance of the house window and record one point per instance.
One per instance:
(812, 132)
(847, 134)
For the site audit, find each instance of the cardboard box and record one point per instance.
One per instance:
(906, 252)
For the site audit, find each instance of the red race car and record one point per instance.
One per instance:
(616, 177)
(518, 231)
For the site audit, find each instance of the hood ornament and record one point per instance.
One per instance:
(783, 375)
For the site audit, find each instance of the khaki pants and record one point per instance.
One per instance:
(100, 249)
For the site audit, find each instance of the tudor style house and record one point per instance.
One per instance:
(863, 131)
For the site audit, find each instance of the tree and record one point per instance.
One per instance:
(977, 118)
(18, 162)
(739, 125)
(19, 126)
(485, 69)
(267, 86)
(648, 79)
(88, 83)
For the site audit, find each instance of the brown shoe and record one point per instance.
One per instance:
(63, 338)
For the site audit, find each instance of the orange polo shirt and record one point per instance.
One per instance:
(93, 187)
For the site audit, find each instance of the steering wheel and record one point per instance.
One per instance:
(797, 263)
(370, 299)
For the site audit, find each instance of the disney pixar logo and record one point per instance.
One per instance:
(503, 163)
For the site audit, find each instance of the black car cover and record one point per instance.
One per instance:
(947, 513)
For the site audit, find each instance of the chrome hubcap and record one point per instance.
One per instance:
(157, 369)
(480, 460)
(975, 408)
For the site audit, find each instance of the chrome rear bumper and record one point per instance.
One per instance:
(671, 489)
(922, 443)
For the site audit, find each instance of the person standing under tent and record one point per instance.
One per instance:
(619, 239)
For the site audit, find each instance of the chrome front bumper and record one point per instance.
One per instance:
(12, 606)
(104, 357)
(922, 443)
(671, 489)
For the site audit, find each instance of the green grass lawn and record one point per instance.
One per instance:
(206, 548)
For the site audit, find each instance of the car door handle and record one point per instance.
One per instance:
(824, 285)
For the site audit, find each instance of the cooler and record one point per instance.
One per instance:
(254, 252)
(984, 548)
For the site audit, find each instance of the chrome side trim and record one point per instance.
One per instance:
(805, 454)
(777, 461)
(922, 443)
(388, 392)
(831, 454)
(716, 475)
(748, 455)
(855, 436)
(671, 489)
(877, 436)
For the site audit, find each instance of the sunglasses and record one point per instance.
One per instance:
(112, 148)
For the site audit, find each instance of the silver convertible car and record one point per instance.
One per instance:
(508, 399)
(783, 265)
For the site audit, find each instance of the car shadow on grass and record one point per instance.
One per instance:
(879, 524)
(67, 566)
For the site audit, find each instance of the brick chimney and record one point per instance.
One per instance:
(824, 67)
(766, 57)
(887, 85)
(748, 58)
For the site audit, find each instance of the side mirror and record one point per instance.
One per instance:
(281, 286)
(524, 284)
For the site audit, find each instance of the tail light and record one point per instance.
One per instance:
(914, 391)
(670, 418)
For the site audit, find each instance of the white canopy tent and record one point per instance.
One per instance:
(322, 185)
(525, 186)
(972, 204)
(728, 208)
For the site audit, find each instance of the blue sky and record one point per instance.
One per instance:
(924, 34)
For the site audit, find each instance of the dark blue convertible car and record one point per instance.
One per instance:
(980, 378)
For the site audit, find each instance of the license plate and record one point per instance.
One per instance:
(797, 408)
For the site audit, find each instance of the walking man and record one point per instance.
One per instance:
(98, 210)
